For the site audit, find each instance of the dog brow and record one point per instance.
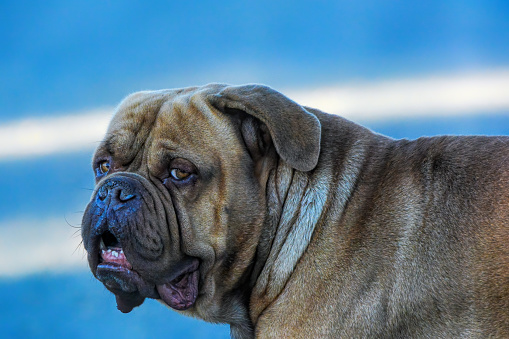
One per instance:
(108, 145)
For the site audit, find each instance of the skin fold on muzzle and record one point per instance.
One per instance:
(131, 255)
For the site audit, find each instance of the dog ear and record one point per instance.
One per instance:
(295, 132)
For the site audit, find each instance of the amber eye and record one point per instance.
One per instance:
(179, 175)
(104, 167)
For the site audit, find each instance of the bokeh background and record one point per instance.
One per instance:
(402, 68)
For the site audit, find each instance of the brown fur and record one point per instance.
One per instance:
(307, 225)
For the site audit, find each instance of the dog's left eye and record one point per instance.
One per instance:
(182, 173)
(179, 175)
(103, 168)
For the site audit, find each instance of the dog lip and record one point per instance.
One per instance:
(178, 290)
(117, 276)
(191, 265)
(129, 288)
(120, 279)
(181, 292)
(178, 287)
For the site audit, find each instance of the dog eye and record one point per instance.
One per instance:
(103, 168)
(179, 175)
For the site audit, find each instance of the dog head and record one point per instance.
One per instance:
(180, 197)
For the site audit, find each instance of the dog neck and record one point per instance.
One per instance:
(296, 202)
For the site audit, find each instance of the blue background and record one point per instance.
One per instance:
(60, 57)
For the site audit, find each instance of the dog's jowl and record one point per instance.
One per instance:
(236, 205)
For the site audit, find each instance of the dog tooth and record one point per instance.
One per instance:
(115, 254)
(102, 245)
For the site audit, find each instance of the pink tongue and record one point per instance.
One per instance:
(182, 294)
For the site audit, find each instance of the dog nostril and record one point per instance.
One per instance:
(125, 196)
(115, 191)
(102, 194)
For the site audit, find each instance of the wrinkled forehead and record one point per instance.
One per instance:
(165, 121)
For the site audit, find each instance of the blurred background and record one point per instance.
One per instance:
(402, 68)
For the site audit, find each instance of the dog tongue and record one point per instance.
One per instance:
(181, 293)
(129, 288)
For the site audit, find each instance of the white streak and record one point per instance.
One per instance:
(42, 136)
(29, 246)
(429, 96)
(426, 96)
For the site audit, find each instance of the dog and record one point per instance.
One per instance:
(234, 204)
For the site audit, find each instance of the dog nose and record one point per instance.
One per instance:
(115, 191)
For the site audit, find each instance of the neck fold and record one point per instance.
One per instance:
(295, 203)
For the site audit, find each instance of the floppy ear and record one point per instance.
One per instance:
(295, 132)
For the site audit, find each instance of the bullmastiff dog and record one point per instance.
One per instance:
(234, 204)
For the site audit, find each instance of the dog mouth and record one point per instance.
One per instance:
(114, 270)
(113, 253)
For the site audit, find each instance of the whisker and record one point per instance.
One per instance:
(76, 233)
(86, 189)
(69, 224)
(77, 247)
